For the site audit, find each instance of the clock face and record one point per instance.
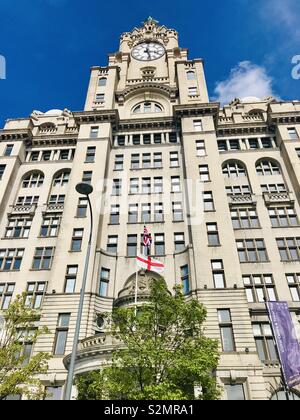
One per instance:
(148, 51)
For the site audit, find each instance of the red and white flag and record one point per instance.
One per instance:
(149, 264)
(147, 240)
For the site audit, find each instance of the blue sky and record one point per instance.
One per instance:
(49, 46)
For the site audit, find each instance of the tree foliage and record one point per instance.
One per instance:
(164, 353)
(18, 374)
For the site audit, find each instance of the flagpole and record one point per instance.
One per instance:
(283, 380)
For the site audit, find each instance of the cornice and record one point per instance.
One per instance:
(147, 123)
(17, 134)
(241, 129)
(195, 110)
(284, 118)
(83, 117)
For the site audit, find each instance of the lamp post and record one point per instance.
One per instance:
(83, 189)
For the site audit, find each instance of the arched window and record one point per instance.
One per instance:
(190, 75)
(102, 81)
(233, 170)
(267, 167)
(32, 180)
(147, 108)
(61, 178)
(47, 127)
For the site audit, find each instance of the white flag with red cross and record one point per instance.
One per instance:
(149, 264)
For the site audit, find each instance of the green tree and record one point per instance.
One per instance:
(164, 353)
(18, 373)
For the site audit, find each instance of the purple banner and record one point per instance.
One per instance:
(287, 343)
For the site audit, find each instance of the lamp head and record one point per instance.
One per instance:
(84, 189)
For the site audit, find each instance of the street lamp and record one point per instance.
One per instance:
(83, 189)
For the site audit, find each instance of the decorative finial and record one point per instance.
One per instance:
(150, 20)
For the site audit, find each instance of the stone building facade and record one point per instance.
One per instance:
(218, 188)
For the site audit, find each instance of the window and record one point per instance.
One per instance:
(208, 201)
(34, 294)
(134, 186)
(222, 145)
(35, 179)
(157, 138)
(294, 285)
(226, 330)
(117, 187)
(18, 228)
(82, 207)
(136, 139)
(179, 242)
(43, 258)
(173, 137)
(204, 173)
(200, 146)
(289, 249)
(46, 156)
(146, 213)
(234, 170)
(174, 159)
(87, 177)
(266, 143)
(147, 139)
(146, 160)
(8, 150)
(185, 279)
(238, 190)
(218, 274)
(64, 154)
(244, 218)
(133, 213)
(147, 108)
(131, 245)
(157, 160)
(264, 342)
(273, 188)
(56, 200)
(121, 141)
(11, 259)
(175, 184)
(212, 234)
(53, 393)
(177, 211)
(158, 212)
(146, 185)
(115, 214)
(234, 145)
(112, 244)
(159, 244)
(90, 154)
(100, 97)
(190, 75)
(298, 153)
(94, 132)
(158, 185)
(198, 125)
(235, 392)
(292, 132)
(260, 287)
(61, 179)
(283, 216)
(104, 282)
(2, 170)
(61, 334)
(27, 201)
(71, 276)
(77, 240)
(34, 157)
(102, 81)
(267, 167)
(252, 250)
(50, 226)
(253, 144)
(135, 161)
(6, 293)
(193, 91)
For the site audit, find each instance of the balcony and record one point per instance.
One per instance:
(52, 208)
(238, 200)
(28, 209)
(279, 198)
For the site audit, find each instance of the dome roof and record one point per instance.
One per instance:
(250, 99)
(54, 113)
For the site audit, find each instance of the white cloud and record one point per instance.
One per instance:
(246, 79)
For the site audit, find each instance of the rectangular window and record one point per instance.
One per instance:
(283, 216)
(90, 154)
(146, 185)
(238, 190)
(294, 285)
(147, 138)
(174, 159)
(292, 132)
(11, 259)
(212, 234)
(77, 240)
(157, 160)
(244, 218)
(6, 293)
(226, 330)
(64, 154)
(260, 287)
(146, 213)
(208, 201)
(119, 163)
(8, 150)
(264, 342)
(234, 144)
(158, 212)
(50, 226)
(121, 141)
(87, 177)
(133, 213)
(175, 184)
(200, 146)
(266, 143)
(135, 161)
(136, 139)
(235, 392)
(53, 393)
(82, 207)
(158, 185)
(173, 137)
(185, 279)
(179, 242)
(289, 249)
(177, 211)
(218, 274)
(100, 97)
(157, 138)
(115, 214)
(2, 170)
(134, 186)
(43, 258)
(117, 187)
(61, 335)
(198, 125)
(34, 156)
(159, 244)
(94, 132)
(222, 146)
(273, 188)
(34, 294)
(252, 250)
(71, 276)
(112, 244)
(56, 200)
(146, 160)
(131, 245)
(46, 156)
(104, 282)
(204, 173)
(18, 228)
(193, 91)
